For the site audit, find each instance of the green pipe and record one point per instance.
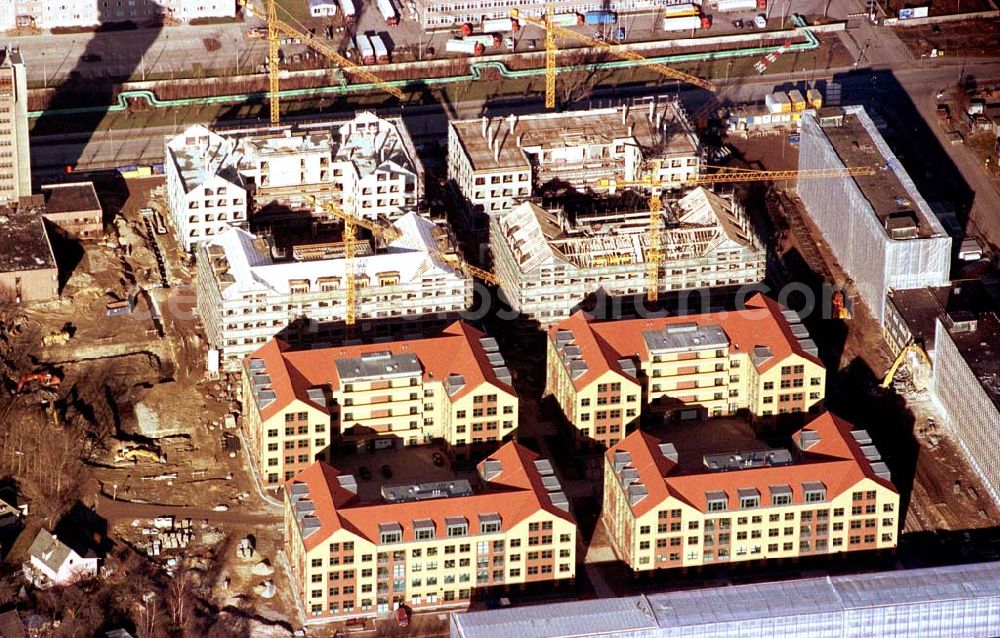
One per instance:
(475, 73)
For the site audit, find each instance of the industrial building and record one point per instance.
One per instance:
(604, 375)
(427, 545)
(497, 162)
(939, 602)
(367, 164)
(453, 387)
(28, 270)
(48, 14)
(879, 227)
(549, 262)
(712, 493)
(74, 210)
(15, 161)
(246, 295)
(445, 14)
(966, 388)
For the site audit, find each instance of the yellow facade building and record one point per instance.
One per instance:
(430, 545)
(670, 505)
(605, 374)
(454, 387)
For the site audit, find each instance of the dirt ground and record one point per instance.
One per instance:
(953, 39)
(142, 382)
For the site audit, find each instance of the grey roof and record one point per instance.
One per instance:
(609, 616)
(819, 605)
(49, 550)
(685, 336)
(378, 365)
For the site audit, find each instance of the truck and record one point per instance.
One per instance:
(725, 6)
(684, 23)
(593, 18)
(486, 39)
(347, 10)
(566, 19)
(381, 51)
(469, 47)
(678, 10)
(501, 25)
(388, 12)
(366, 50)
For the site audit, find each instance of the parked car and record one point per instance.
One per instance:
(509, 43)
(365, 473)
(738, 23)
(438, 459)
(620, 34)
(760, 21)
(386, 471)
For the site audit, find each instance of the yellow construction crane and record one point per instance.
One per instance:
(724, 175)
(275, 28)
(900, 359)
(618, 50)
(387, 234)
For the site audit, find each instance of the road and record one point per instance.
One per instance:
(127, 510)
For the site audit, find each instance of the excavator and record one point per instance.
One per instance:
(137, 454)
(44, 380)
(900, 358)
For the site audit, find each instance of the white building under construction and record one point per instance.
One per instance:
(246, 295)
(497, 162)
(548, 265)
(879, 227)
(444, 14)
(367, 164)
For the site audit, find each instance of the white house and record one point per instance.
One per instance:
(53, 562)
(322, 8)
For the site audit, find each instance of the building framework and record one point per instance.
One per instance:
(246, 295)
(881, 230)
(548, 263)
(497, 162)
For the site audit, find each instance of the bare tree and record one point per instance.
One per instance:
(181, 599)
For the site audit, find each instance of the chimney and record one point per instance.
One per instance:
(490, 135)
(496, 152)
(512, 122)
(624, 114)
(519, 137)
(652, 110)
(630, 130)
(485, 125)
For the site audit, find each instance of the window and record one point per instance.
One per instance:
(838, 511)
(749, 498)
(457, 526)
(814, 492)
(717, 501)
(489, 523)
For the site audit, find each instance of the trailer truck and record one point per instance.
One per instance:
(686, 23)
(366, 49)
(486, 39)
(468, 47)
(388, 12)
(381, 51)
(725, 6)
(347, 10)
(501, 25)
(678, 10)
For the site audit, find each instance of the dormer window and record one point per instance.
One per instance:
(489, 523)
(717, 501)
(749, 498)
(390, 533)
(457, 525)
(815, 492)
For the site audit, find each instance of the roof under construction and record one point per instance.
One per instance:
(505, 143)
(693, 226)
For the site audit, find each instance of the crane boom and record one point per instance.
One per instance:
(388, 233)
(724, 175)
(276, 27)
(550, 59)
(619, 51)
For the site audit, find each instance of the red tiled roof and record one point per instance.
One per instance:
(515, 494)
(455, 350)
(836, 461)
(760, 323)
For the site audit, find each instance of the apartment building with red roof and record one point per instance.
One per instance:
(428, 545)
(758, 359)
(702, 496)
(453, 387)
